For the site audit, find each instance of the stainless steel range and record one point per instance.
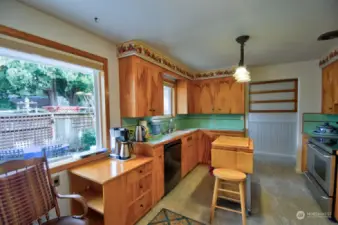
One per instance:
(321, 174)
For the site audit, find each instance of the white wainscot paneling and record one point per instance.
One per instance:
(274, 134)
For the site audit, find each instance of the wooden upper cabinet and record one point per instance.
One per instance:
(229, 96)
(156, 85)
(188, 97)
(218, 96)
(141, 88)
(329, 89)
(207, 96)
(194, 94)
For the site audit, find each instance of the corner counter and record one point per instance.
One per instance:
(117, 192)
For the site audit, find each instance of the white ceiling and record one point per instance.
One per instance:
(201, 33)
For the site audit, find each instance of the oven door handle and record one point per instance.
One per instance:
(319, 151)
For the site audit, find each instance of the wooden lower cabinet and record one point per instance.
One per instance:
(207, 137)
(139, 208)
(158, 174)
(305, 140)
(189, 153)
(123, 200)
(157, 169)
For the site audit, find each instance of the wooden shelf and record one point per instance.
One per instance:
(94, 200)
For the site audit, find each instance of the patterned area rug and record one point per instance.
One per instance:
(167, 217)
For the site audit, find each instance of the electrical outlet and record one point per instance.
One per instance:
(56, 180)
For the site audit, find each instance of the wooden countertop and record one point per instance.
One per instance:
(243, 144)
(104, 170)
(178, 135)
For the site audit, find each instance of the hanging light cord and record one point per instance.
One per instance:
(241, 61)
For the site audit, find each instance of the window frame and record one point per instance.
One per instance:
(172, 85)
(30, 39)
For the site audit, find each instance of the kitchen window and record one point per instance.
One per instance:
(48, 105)
(169, 99)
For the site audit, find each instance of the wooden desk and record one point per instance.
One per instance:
(117, 192)
(233, 153)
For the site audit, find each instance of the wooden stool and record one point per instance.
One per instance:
(231, 176)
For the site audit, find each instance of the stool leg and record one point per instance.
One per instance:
(242, 196)
(214, 200)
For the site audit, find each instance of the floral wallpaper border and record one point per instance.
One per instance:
(331, 57)
(142, 50)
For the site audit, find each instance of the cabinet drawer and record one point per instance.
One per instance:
(139, 172)
(139, 208)
(138, 188)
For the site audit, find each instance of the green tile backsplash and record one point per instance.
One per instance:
(311, 120)
(209, 121)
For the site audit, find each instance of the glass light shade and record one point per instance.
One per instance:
(242, 74)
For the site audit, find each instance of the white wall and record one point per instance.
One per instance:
(309, 87)
(19, 16)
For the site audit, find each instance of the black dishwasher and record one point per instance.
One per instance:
(172, 165)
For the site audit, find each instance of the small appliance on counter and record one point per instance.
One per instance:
(326, 130)
(126, 148)
(155, 128)
(144, 123)
(121, 145)
(140, 133)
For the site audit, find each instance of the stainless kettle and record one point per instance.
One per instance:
(125, 149)
(140, 133)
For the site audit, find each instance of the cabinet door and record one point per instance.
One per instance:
(327, 89)
(304, 152)
(237, 97)
(143, 90)
(184, 157)
(229, 96)
(156, 85)
(334, 73)
(194, 150)
(194, 94)
(158, 174)
(190, 152)
(207, 96)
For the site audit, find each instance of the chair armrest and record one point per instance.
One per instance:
(79, 199)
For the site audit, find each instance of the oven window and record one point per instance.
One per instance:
(320, 167)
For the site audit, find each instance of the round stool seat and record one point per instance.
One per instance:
(228, 174)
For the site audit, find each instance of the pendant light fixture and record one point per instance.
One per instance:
(242, 74)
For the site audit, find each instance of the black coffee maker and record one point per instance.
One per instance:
(119, 137)
(117, 134)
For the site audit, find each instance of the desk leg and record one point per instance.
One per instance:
(248, 193)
